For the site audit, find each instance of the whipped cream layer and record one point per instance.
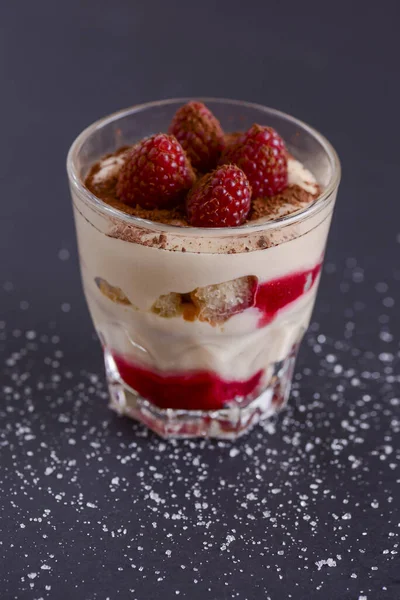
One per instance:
(235, 350)
(144, 273)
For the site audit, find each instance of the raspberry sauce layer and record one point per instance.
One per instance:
(275, 294)
(200, 390)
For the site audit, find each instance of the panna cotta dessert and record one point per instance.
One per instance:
(201, 228)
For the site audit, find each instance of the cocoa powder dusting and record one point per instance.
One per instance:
(290, 200)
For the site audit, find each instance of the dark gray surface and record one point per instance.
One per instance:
(65, 64)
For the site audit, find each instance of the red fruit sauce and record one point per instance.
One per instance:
(205, 390)
(199, 390)
(275, 294)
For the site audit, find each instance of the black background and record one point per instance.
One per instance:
(65, 64)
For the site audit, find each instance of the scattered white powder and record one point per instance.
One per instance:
(329, 562)
(316, 481)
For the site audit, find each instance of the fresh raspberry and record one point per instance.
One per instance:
(156, 174)
(199, 133)
(219, 199)
(261, 154)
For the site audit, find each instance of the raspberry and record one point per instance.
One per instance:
(219, 199)
(261, 154)
(199, 133)
(156, 173)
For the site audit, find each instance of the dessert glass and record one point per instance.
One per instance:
(200, 328)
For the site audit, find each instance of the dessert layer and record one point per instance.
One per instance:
(235, 350)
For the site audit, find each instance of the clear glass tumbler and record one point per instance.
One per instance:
(200, 327)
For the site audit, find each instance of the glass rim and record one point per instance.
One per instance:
(248, 228)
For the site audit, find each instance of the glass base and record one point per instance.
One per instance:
(226, 423)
